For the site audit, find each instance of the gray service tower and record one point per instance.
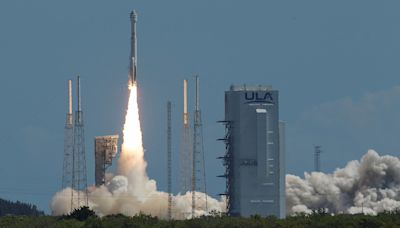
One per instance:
(254, 158)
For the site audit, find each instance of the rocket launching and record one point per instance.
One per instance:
(133, 54)
(130, 191)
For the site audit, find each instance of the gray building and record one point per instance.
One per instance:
(254, 159)
(105, 149)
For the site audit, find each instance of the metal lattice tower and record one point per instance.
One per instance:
(227, 162)
(185, 156)
(169, 155)
(79, 179)
(317, 158)
(68, 142)
(198, 169)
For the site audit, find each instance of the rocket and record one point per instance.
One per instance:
(133, 54)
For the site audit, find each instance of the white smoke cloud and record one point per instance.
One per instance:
(369, 186)
(132, 191)
(115, 198)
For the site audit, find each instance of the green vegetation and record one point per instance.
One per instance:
(18, 208)
(81, 214)
(84, 217)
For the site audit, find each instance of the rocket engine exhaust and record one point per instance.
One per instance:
(370, 185)
(131, 191)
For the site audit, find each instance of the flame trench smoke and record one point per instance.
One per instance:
(131, 191)
(368, 186)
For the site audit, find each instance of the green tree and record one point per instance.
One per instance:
(81, 213)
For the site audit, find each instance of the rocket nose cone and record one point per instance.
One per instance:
(133, 14)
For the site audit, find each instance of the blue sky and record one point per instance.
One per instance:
(335, 64)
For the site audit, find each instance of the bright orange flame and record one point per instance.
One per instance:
(132, 147)
(132, 130)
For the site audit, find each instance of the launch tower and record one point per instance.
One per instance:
(106, 147)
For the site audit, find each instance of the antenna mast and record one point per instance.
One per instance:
(169, 155)
(317, 158)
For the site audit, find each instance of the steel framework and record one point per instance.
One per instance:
(169, 155)
(106, 147)
(186, 154)
(317, 158)
(79, 178)
(198, 169)
(68, 142)
(227, 162)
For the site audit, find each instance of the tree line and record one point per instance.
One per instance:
(84, 217)
(18, 208)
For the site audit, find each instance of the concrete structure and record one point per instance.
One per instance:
(254, 158)
(106, 147)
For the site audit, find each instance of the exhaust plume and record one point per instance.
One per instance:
(368, 186)
(131, 191)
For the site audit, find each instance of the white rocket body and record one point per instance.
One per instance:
(133, 54)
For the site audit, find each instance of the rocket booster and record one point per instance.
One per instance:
(133, 54)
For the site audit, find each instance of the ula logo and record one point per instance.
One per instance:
(258, 97)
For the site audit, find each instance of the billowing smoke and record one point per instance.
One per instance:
(369, 186)
(131, 191)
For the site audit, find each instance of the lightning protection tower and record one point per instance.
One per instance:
(185, 155)
(169, 164)
(79, 181)
(68, 142)
(198, 169)
(317, 158)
